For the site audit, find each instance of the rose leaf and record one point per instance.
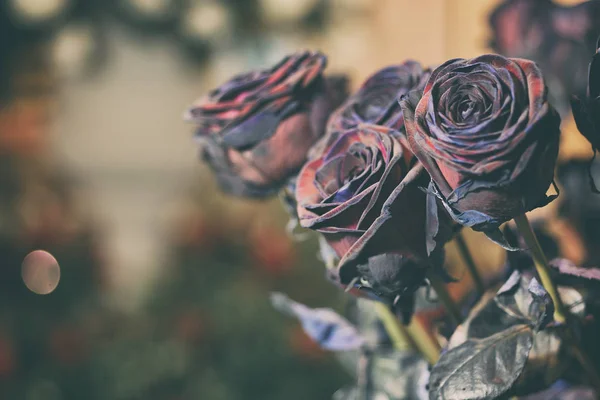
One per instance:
(525, 299)
(326, 327)
(482, 368)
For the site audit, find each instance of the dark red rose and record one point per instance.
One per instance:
(362, 193)
(486, 134)
(376, 100)
(578, 22)
(256, 129)
(558, 38)
(519, 26)
(586, 111)
(565, 54)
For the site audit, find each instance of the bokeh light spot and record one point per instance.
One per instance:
(38, 11)
(40, 272)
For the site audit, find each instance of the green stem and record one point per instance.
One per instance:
(442, 293)
(424, 341)
(412, 335)
(470, 263)
(542, 267)
(561, 313)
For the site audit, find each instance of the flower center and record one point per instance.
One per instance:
(466, 110)
(353, 165)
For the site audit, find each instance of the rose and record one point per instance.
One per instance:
(519, 26)
(256, 129)
(376, 100)
(559, 38)
(586, 111)
(486, 134)
(362, 194)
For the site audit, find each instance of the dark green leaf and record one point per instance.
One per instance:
(482, 368)
(330, 330)
(526, 299)
(520, 301)
(545, 364)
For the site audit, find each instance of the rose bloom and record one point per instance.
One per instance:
(557, 37)
(486, 134)
(376, 102)
(256, 129)
(519, 26)
(362, 193)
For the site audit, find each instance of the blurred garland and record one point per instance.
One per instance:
(75, 31)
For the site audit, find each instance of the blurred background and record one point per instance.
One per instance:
(163, 283)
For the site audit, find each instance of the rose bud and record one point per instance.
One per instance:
(376, 100)
(486, 134)
(256, 129)
(362, 193)
(586, 111)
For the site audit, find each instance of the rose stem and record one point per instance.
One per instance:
(561, 314)
(470, 263)
(414, 334)
(395, 330)
(442, 292)
(543, 269)
(425, 342)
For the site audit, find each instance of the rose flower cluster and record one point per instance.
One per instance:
(388, 173)
(387, 176)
